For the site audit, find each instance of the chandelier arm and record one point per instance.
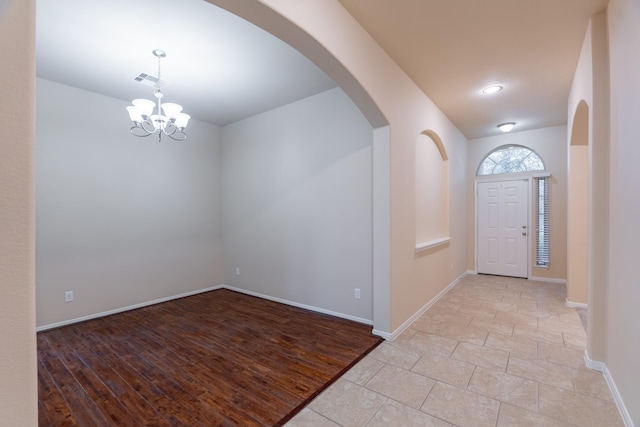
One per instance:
(148, 124)
(135, 131)
(170, 128)
(178, 136)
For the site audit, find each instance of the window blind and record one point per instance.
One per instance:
(542, 221)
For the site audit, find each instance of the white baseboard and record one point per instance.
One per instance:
(395, 334)
(534, 278)
(122, 309)
(548, 280)
(199, 291)
(602, 367)
(594, 364)
(572, 304)
(384, 335)
(295, 304)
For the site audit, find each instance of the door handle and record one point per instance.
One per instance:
(524, 233)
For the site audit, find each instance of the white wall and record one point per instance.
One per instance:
(298, 204)
(550, 144)
(120, 220)
(623, 335)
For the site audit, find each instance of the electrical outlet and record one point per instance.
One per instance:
(237, 271)
(68, 296)
(356, 293)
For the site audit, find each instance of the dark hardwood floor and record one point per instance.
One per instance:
(215, 359)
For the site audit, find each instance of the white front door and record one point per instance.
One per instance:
(502, 228)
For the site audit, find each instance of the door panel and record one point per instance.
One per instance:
(502, 220)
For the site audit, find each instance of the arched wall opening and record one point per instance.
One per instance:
(397, 111)
(578, 208)
(431, 191)
(265, 16)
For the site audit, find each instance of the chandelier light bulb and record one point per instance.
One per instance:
(182, 120)
(171, 110)
(144, 106)
(134, 114)
(147, 115)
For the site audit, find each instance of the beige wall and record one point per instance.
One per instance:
(578, 147)
(607, 80)
(591, 87)
(432, 191)
(18, 384)
(623, 334)
(549, 143)
(578, 225)
(578, 206)
(599, 187)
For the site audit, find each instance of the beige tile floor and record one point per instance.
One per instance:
(494, 351)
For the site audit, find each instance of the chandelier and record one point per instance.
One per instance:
(147, 122)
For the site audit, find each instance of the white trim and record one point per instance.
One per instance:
(395, 334)
(538, 279)
(200, 291)
(122, 309)
(306, 307)
(432, 244)
(512, 176)
(602, 367)
(548, 280)
(624, 413)
(384, 335)
(572, 304)
(594, 364)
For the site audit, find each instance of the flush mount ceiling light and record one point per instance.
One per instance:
(489, 90)
(145, 122)
(506, 127)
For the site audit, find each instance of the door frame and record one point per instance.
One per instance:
(526, 176)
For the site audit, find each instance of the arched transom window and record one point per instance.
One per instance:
(510, 159)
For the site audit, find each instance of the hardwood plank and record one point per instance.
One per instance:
(217, 358)
(53, 409)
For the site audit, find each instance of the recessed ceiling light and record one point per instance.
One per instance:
(489, 90)
(506, 127)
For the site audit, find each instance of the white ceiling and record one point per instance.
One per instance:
(223, 69)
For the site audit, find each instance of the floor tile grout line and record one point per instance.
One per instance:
(543, 302)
